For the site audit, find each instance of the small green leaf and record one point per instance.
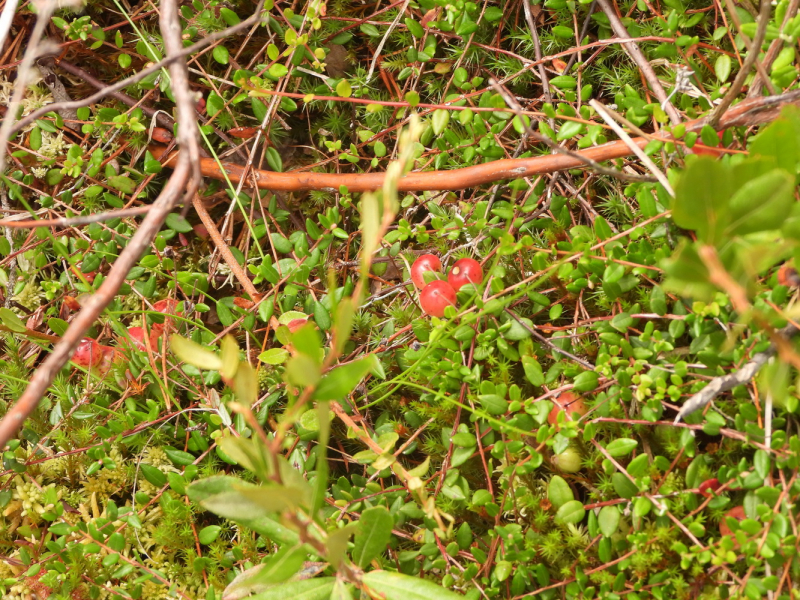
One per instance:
(571, 512)
(586, 381)
(208, 534)
(318, 588)
(341, 381)
(533, 370)
(412, 98)
(126, 185)
(343, 89)
(153, 475)
(559, 492)
(440, 119)
(278, 70)
(221, 55)
(722, 67)
(230, 17)
(608, 520)
(621, 447)
(396, 586)
(11, 320)
(624, 486)
(177, 223)
(194, 354)
(274, 356)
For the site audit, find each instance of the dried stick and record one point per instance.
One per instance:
(169, 196)
(726, 383)
(749, 112)
(6, 17)
(637, 150)
(223, 248)
(772, 52)
(633, 50)
(35, 48)
(537, 48)
(749, 61)
(75, 221)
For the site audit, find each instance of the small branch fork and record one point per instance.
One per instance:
(185, 180)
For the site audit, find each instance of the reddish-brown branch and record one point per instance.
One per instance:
(223, 248)
(749, 112)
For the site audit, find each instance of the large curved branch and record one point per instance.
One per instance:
(749, 112)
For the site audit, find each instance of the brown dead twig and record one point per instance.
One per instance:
(185, 179)
(633, 50)
(223, 248)
(749, 61)
(749, 112)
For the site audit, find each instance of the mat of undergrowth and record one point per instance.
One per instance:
(341, 435)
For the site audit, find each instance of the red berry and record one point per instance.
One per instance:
(568, 403)
(464, 271)
(88, 353)
(137, 337)
(426, 262)
(737, 512)
(708, 487)
(436, 296)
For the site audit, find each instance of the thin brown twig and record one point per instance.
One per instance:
(749, 61)
(180, 181)
(223, 248)
(76, 221)
(633, 50)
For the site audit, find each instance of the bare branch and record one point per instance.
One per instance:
(750, 112)
(749, 61)
(180, 182)
(725, 383)
(633, 50)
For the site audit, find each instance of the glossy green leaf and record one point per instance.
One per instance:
(621, 447)
(571, 512)
(608, 520)
(559, 492)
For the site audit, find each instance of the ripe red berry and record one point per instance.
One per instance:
(426, 262)
(464, 271)
(568, 403)
(88, 353)
(437, 296)
(137, 337)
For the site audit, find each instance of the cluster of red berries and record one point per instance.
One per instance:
(437, 295)
(92, 355)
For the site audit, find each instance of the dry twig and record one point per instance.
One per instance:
(180, 182)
